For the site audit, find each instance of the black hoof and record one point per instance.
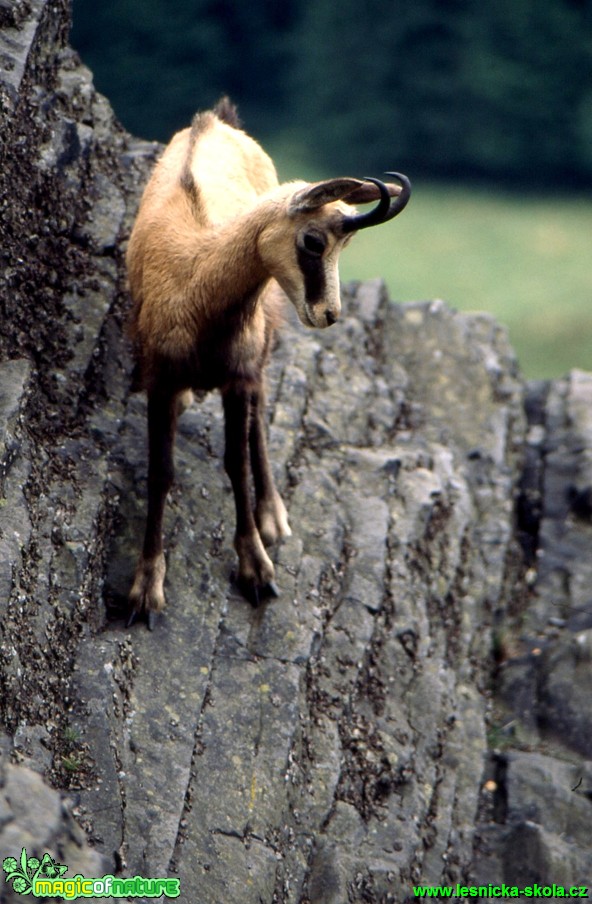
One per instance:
(149, 617)
(249, 590)
(255, 594)
(271, 589)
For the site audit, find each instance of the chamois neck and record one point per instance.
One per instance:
(227, 265)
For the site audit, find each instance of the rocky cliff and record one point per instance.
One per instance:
(414, 709)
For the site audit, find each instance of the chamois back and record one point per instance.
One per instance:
(227, 167)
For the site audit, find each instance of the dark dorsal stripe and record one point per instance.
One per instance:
(199, 124)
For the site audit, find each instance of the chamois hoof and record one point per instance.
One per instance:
(147, 594)
(255, 593)
(272, 589)
(250, 591)
(149, 615)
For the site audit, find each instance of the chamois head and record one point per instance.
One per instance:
(301, 250)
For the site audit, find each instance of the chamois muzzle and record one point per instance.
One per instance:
(385, 210)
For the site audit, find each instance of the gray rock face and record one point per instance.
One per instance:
(33, 816)
(336, 736)
(414, 709)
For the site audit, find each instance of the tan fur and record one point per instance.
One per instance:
(190, 258)
(215, 238)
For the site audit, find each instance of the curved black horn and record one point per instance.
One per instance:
(385, 210)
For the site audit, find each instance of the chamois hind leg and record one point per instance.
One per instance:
(147, 593)
(270, 511)
(255, 572)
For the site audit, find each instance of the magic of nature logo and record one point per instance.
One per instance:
(45, 878)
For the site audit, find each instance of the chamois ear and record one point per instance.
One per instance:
(317, 194)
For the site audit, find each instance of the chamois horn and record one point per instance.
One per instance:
(385, 210)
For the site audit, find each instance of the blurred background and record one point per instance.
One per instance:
(486, 106)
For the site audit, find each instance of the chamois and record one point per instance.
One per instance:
(215, 240)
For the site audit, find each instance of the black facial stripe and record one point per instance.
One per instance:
(313, 271)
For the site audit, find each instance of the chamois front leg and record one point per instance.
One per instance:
(270, 511)
(255, 571)
(147, 593)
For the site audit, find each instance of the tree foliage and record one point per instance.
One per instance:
(458, 88)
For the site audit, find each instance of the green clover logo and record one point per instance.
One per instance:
(23, 874)
(49, 868)
(18, 874)
(20, 885)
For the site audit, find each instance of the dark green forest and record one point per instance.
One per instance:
(457, 89)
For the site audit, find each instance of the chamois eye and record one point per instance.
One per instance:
(314, 244)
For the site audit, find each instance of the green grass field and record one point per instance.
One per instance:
(526, 260)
